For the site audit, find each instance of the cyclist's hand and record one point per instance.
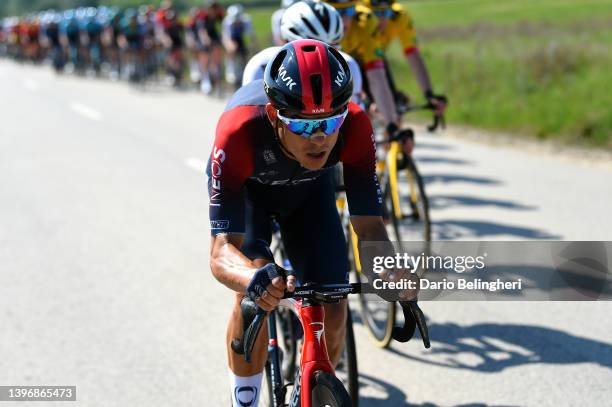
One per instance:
(267, 286)
(439, 102)
(395, 275)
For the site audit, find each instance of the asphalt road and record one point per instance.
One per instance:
(104, 242)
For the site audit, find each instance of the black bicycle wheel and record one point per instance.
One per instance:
(351, 360)
(420, 206)
(328, 391)
(378, 316)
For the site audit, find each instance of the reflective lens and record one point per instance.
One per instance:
(348, 11)
(307, 127)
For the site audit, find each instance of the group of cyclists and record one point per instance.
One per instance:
(135, 43)
(305, 105)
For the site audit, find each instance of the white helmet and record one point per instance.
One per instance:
(235, 10)
(312, 20)
(287, 3)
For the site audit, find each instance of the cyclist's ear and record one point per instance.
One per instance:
(271, 113)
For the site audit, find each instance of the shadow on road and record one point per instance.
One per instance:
(388, 395)
(492, 347)
(432, 146)
(449, 179)
(441, 160)
(461, 229)
(446, 201)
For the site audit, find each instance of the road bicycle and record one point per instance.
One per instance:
(291, 334)
(315, 384)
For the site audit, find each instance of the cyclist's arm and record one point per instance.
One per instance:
(370, 228)
(229, 266)
(407, 34)
(381, 92)
(358, 158)
(420, 70)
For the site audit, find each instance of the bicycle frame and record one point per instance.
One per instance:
(314, 355)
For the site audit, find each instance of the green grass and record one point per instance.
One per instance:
(540, 68)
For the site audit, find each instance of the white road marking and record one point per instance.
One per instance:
(31, 85)
(196, 164)
(86, 111)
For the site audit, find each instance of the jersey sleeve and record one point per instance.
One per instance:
(230, 164)
(404, 29)
(358, 158)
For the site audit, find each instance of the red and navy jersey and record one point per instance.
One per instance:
(246, 151)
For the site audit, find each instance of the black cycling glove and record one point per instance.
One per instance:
(263, 278)
(429, 95)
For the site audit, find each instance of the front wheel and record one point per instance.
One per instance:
(328, 391)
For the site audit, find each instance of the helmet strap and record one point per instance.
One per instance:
(277, 129)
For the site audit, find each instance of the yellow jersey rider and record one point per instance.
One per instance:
(395, 22)
(360, 40)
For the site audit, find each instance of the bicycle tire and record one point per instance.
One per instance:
(351, 360)
(378, 316)
(328, 391)
(422, 200)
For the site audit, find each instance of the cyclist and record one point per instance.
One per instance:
(131, 43)
(51, 38)
(273, 155)
(236, 26)
(396, 23)
(69, 37)
(360, 32)
(306, 20)
(277, 38)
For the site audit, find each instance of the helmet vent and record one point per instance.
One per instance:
(310, 26)
(325, 19)
(309, 48)
(277, 63)
(317, 89)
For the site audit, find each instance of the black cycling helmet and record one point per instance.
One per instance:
(308, 77)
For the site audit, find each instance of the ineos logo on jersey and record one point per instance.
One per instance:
(284, 76)
(218, 157)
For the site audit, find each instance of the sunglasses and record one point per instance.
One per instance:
(385, 12)
(348, 11)
(307, 127)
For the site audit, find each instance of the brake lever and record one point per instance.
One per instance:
(244, 345)
(413, 318)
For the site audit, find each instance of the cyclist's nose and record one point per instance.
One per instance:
(318, 138)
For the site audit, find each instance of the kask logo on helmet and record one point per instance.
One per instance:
(340, 77)
(285, 78)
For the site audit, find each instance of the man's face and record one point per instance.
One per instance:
(312, 153)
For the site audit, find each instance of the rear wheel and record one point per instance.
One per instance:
(328, 391)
